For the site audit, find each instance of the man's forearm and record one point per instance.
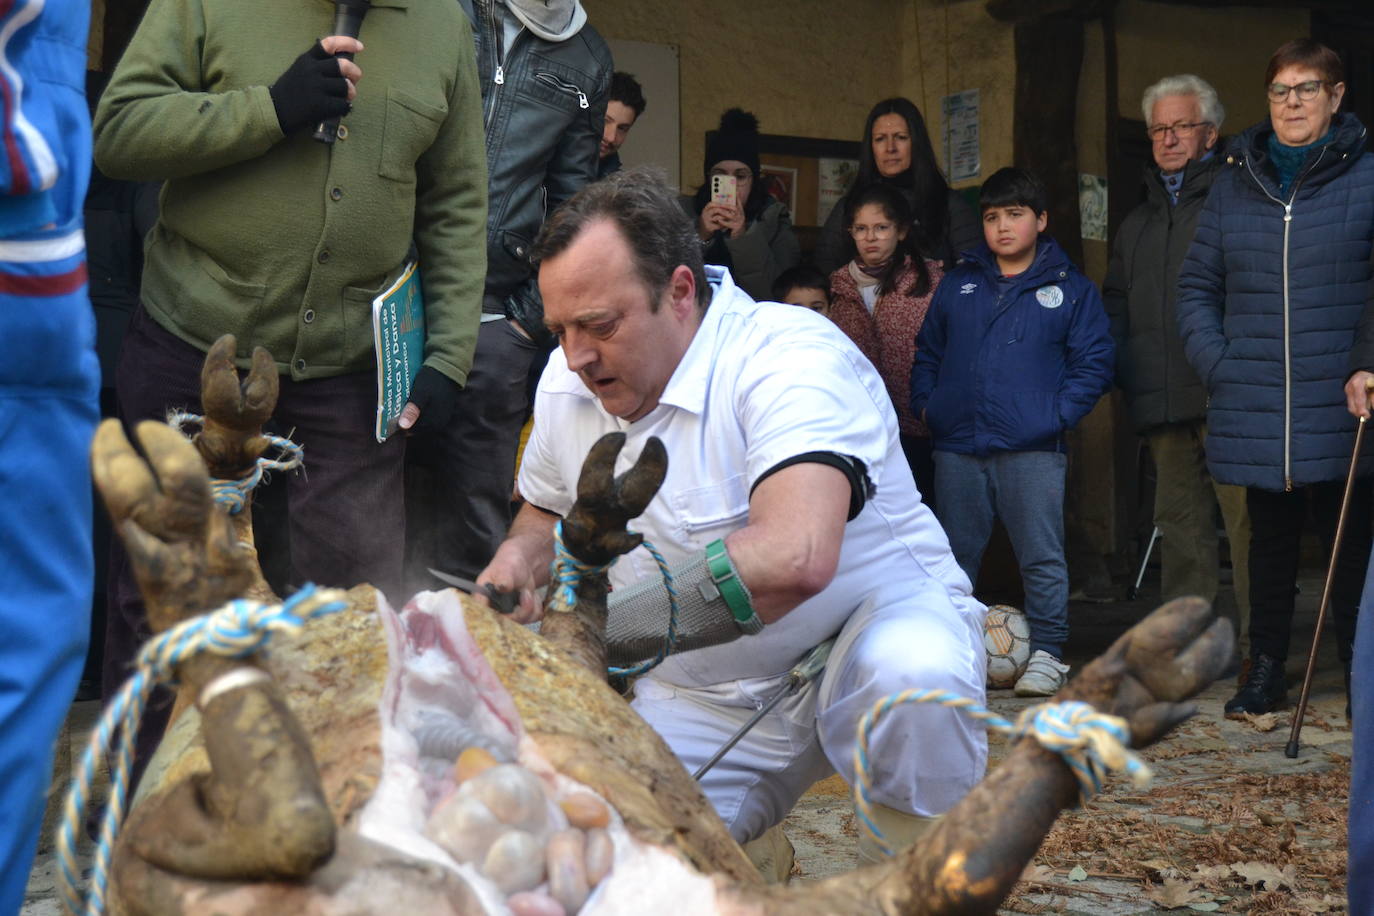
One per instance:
(531, 540)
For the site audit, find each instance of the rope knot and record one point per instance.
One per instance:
(567, 573)
(235, 630)
(233, 494)
(1092, 744)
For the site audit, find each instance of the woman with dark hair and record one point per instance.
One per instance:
(895, 150)
(880, 300)
(1270, 299)
(753, 236)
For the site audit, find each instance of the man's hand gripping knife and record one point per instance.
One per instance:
(714, 607)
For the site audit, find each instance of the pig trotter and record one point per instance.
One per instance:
(260, 812)
(594, 532)
(970, 861)
(231, 439)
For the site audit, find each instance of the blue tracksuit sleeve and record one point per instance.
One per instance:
(1089, 360)
(44, 122)
(930, 351)
(1202, 294)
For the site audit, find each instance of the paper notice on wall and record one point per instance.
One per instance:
(834, 176)
(1092, 206)
(960, 115)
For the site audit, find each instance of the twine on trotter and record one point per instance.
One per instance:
(236, 630)
(568, 571)
(233, 494)
(1093, 744)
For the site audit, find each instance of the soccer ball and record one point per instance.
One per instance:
(1006, 636)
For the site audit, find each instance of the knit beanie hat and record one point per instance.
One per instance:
(737, 138)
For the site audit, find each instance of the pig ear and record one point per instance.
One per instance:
(639, 484)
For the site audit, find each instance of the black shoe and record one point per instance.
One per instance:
(1264, 691)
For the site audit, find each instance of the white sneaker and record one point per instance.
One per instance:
(1044, 675)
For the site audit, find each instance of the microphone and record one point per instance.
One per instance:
(348, 19)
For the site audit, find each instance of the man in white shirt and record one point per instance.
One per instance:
(786, 486)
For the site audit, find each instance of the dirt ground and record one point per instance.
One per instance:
(1231, 825)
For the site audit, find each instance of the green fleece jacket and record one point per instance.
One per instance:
(284, 241)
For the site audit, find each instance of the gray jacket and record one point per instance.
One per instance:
(1142, 281)
(543, 104)
(766, 248)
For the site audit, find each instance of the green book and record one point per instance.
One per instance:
(398, 332)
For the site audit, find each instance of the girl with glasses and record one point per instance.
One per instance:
(880, 299)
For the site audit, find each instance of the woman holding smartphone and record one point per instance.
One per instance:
(741, 227)
(896, 151)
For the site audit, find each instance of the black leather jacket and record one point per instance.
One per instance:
(544, 105)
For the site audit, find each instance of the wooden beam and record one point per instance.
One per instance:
(1049, 56)
(1333, 6)
(1029, 10)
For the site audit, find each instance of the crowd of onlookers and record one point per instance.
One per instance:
(1236, 315)
(1238, 322)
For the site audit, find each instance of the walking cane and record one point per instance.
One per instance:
(1292, 749)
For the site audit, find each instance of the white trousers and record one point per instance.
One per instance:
(924, 757)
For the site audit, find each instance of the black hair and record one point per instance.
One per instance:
(927, 184)
(894, 206)
(1013, 187)
(626, 90)
(803, 276)
(639, 202)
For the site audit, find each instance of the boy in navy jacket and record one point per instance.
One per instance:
(1015, 350)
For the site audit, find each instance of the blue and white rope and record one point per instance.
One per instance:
(1093, 744)
(567, 574)
(236, 630)
(233, 494)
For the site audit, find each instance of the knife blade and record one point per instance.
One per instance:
(504, 602)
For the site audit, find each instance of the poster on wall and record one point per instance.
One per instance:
(781, 184)
(960, 117)
(1092, 206)
(836, 175)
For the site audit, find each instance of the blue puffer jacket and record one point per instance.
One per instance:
(1011, 370)
(1269, 298)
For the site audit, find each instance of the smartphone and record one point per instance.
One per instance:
(724, 190)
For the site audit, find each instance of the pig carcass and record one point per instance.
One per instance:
(442, 759)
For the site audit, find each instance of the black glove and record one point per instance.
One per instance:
(311, 90)
(435, 394)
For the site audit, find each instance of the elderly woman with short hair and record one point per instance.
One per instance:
(1269, 299)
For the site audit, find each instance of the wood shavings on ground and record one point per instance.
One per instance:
(1246, 842)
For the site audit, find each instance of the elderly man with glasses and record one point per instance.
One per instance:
(1167, 400)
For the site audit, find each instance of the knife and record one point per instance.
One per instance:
(503, 601)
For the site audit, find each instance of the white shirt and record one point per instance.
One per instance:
(759, 383)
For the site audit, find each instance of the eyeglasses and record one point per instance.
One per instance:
(1180, 130)
(879, 231)
(1307, 91)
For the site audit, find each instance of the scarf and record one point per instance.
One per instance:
(1289, 160)
(867, 279)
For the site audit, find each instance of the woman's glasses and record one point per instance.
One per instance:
(1307, 91)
